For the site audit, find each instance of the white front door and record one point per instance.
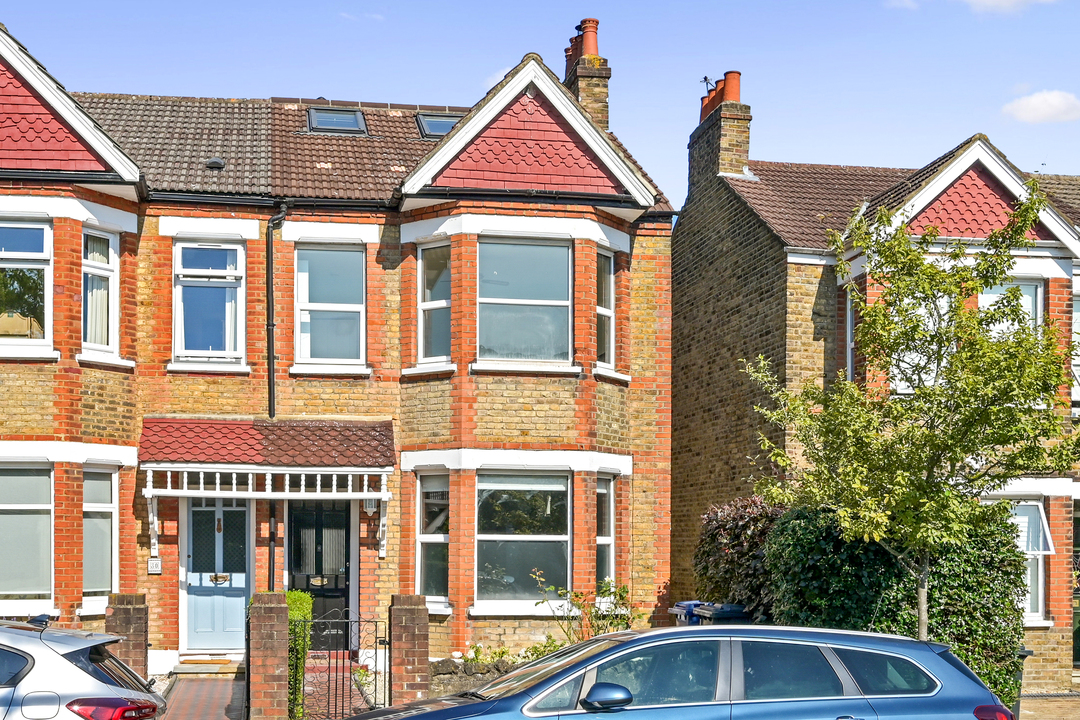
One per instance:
(217, 574)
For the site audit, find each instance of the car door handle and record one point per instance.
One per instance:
(848, 717)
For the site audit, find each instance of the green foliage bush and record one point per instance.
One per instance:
(729, 562)
(300, 613)
(975, 589)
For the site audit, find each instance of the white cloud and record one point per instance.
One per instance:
(495, 78)
(1003, 6)
(1045, 106)
(903, 4)
(347, 16)
(374, 16)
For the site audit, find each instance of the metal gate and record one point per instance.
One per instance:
(345, 669)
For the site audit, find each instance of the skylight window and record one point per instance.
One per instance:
(333, 120)
(436, 125)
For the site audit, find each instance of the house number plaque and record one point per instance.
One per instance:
(153, 566)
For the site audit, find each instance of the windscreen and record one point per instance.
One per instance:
(100, 664)
(528, 675)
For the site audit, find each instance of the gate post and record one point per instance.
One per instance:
(408, 648)
(128, 615)
(268, 656)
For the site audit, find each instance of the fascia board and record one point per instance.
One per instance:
(1003, 173)
(531, 73)
(68, 109)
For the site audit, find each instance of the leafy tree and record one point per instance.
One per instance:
(982, 400)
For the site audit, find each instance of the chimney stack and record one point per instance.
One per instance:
(721, 142)
(587, 73)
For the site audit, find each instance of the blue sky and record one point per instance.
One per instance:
(852, 82)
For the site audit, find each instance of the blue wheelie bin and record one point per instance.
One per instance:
(684, 612)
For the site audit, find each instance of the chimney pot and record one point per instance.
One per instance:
(588, 42)
(732, 80)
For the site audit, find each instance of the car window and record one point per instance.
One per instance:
(563, 697)
(775, 671)
(11, 664)
(879, 674)
(100, 664)
(667, 674)
(531, 673)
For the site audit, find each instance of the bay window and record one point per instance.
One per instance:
(100, 293)
(433, 537)
(99, 536)
(605, 310)
(208, 303)
(1035, 543)
(330, 311)
(522, 526)
(25, 283)
(1030, 298)
(524, 301)
(434, 315)
(26, 534)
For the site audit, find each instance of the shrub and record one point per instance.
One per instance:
(581, 615)
(300, 612)
(729, 562)
(975, 590)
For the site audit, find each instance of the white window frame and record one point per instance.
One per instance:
(110, 271)
(35, 606)
(1040, 557)
(430, 305)
(356, 364)
(437, 604)
(1040, 293)
(526, 606)
(193, 359)
(849, 335)
(482, 362)
(608, 540)
(32, 347)
(606, 312)
(96, 604)
(1076, 357)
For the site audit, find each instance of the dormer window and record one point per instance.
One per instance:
(336, 120)
(435, 125)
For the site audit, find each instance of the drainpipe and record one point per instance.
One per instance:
(271, 389)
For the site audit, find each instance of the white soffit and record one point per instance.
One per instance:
(170, 226)
(295, 230)
(539, 460)
(64, 106)
(981, 152)
(533, 73)
(516, 226)
(100, 216)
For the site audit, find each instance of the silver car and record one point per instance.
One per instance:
(50, 673)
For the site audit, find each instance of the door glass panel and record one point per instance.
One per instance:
(304, 542)
(334, 555)
(203, 559)
(774, 671)
(562, 698)
(878, 674)
(233, 545)
(678, 672)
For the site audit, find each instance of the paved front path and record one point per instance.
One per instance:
(1049, 709)
(206, 699)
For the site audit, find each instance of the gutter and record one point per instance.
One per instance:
(269, 202)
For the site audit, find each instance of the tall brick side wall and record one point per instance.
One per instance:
(128, 615)
(409, 648)
(268, 657)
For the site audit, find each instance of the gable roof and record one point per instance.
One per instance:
(20, 62)
(532, 72)
(1064, 192)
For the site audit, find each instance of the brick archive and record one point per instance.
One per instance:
(358, 349)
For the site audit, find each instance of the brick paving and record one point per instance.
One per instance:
(206, 699)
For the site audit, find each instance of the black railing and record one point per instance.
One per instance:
(346, 669)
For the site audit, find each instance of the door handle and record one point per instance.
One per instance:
(848, 717)
(217, 579)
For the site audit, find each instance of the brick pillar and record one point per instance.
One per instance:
(268, 656)
(129, 616)
(408, 648)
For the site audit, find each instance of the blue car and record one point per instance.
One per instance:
(728, 673)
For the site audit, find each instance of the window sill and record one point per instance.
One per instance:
(611, 375)
(429, 369)
(93, 605)
(524, 368)
(28, 608)
(95, 358)
(439, 607)
(215, 368)
(28, 352)
(315, 369)
(517, 608)
(1038, 623)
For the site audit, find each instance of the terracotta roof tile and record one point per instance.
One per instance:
(285, 443)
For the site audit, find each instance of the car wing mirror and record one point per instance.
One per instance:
(606, 696)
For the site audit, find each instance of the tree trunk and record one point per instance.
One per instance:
(924, 612)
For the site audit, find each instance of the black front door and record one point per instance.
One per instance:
(319, 563)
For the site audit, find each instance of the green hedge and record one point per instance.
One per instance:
(300, 607)
(729, 562)
(975, 590)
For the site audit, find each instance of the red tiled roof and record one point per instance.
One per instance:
(528, 145)
(32, 137)
(285, 443)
